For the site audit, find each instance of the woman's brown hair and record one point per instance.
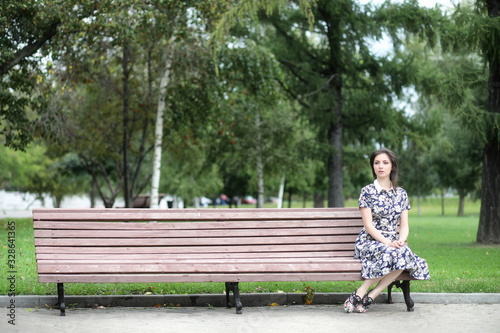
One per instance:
(394, 161)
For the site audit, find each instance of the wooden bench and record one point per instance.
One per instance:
(198, 245)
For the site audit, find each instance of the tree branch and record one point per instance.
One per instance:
(30, 49)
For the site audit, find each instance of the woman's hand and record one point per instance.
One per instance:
(397, 244)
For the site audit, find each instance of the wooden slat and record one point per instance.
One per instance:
(199, 268)
(172, 278)
(296, 223)
(212, 249)
(193, 241)
(193, 233)
(152, 278)
(199, 261)
(132, 214)
(222, 255)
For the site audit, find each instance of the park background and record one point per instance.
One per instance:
(277, 100)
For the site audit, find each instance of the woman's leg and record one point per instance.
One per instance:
(383, 283)
(363, 289)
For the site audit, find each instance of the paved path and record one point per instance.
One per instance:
(426, 318)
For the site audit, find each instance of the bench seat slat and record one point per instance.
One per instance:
(172, 278)
(193, 233)
(223, 255)
(131, 214)
(200, 268)
(292, 223)
(195, 261)
(215, 241)
(185, 249)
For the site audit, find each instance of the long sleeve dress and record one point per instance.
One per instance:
(378, 259)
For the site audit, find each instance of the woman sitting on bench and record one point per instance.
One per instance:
(383, 253)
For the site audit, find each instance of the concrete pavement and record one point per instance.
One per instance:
(426, 318)
(433, 313)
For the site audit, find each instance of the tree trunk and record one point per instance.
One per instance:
(126, 134)
(442, 201)
(281, 192)
(335, 183)
(419, 203)
(319, 200)
(461, 204)
(335, 178)
(260, 164)
(162, 95)
(489, 218)
(57, 200)
(92, 193)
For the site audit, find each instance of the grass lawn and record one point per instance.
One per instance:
(456, 262)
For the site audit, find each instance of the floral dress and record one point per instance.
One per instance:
(378, 259)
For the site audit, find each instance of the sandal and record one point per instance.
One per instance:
(367, 301)
(353, 303)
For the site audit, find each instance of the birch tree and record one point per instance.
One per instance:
(162, 94)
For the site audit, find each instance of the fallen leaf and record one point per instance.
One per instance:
(274, 304)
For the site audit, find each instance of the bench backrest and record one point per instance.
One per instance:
(125, 245)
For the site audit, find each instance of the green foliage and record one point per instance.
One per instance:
(35, 171)
(473, 38)
(457, 158)
(30, 26)
(104, 86)
(241, 11)
(186, 171)
(17, 167)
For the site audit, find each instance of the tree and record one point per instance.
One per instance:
(477, 31)
(457, 159)
(346, 91)
(29, 29)
(202, 13)
(114, 63)
(261, 119)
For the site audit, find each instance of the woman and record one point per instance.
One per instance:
(382, 251)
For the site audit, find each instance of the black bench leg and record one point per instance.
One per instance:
(389, 293)
(60, 299)
(228, 291)
(236, 292)
(405, 286)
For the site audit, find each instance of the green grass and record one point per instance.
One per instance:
(457, 264)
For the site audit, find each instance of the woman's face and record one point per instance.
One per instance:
(382, 166)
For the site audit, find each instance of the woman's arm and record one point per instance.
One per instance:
(404, 228)
(366, 215)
